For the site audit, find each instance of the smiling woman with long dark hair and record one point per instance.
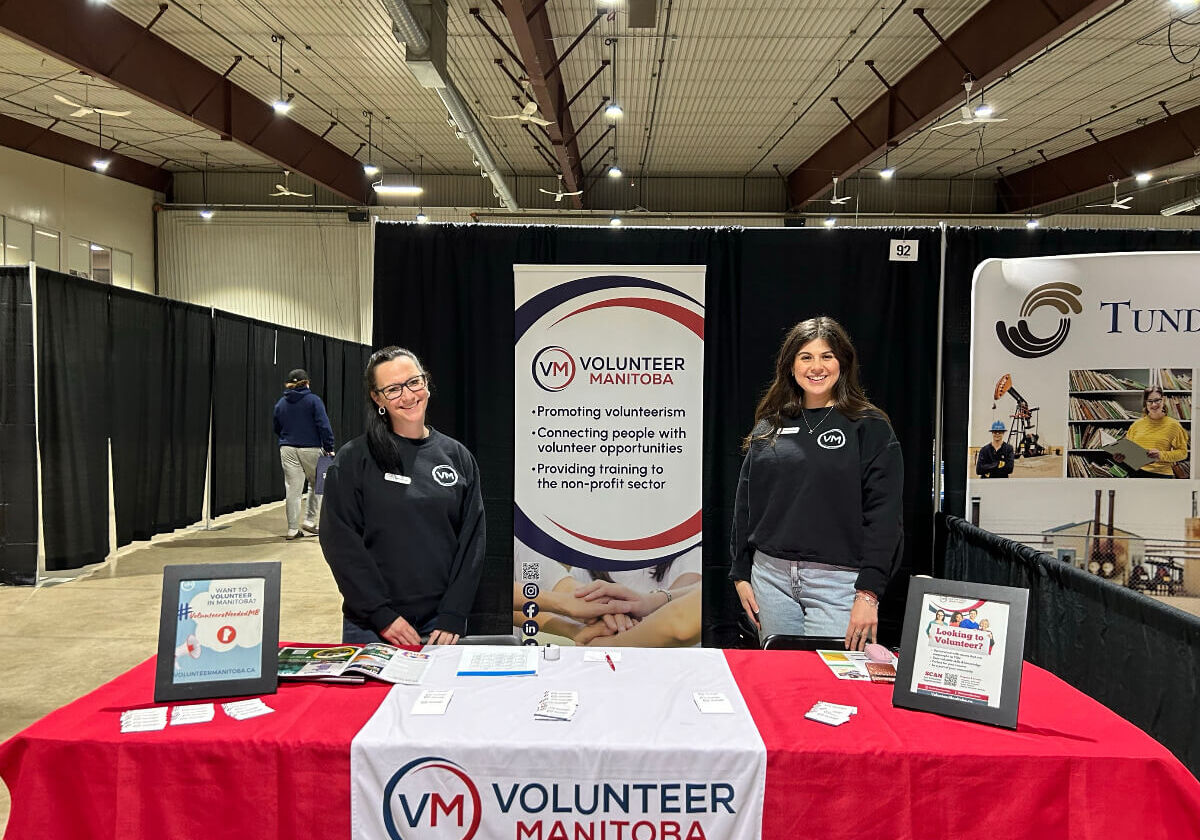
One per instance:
(816, 528)
(402, 524)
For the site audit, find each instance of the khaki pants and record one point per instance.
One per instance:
(298, 465)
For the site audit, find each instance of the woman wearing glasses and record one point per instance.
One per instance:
(1161, 436)
(402, 524)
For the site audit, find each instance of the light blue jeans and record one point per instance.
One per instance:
(802, 598)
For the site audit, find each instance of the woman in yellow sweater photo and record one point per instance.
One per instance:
(1163, 438)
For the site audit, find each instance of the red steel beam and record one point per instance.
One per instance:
(105, 43)
(535, 42)
(995, 39)
(1142, 149)
(45, 143)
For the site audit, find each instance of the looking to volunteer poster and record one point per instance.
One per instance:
(608, 460)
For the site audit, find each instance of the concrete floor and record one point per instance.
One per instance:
(96, 627)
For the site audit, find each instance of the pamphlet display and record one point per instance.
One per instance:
(961, 650)
(350, 663)
(218, 631)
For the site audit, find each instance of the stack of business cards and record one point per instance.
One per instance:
(144, 720)
(192, 713)
(831, 713)
(712, 703)
(245, 709)
(557, 705)
(432, 701)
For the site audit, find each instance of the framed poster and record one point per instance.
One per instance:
(961, 650)
(218, 631)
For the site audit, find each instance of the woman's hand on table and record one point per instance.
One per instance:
(864, 621)
(400, 632)
(443, 637)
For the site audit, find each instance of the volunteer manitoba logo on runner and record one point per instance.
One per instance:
(553, 368)
(433, 798)
(1021, 341)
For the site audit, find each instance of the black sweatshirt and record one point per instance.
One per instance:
(993, 462)
(834, 497)
(405, 545)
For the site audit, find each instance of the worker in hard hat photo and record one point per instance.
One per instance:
(995, 459)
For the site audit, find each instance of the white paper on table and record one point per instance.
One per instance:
(193, 713)
(712, 703)
(601, 655)
(498, 661)
(432, 702)
(144, 720)
(246, 709)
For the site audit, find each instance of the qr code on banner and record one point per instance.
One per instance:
(950, 680)
(529, 571)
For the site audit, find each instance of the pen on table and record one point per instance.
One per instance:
(608, 659)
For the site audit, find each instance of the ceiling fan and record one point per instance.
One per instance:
(979, 115)
(837, 199)
(282, 189)
(1116, 203)
(84, 110)
(558, 196)
(526, 115)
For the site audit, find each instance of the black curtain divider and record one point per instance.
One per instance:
(1132, 653)
(18, 430)
(229, 483)
(966, 248)
(73, 412)
(446, 292)
(160, 372)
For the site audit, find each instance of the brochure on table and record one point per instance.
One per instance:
(349, 663)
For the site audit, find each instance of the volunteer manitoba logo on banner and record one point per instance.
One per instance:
(1021, 341)
(609, 427)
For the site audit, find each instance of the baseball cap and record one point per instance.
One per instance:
(297, 375)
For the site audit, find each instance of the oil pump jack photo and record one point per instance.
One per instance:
(1022, 430)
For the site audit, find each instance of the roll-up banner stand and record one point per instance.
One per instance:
(608, 460)
(1063, 349)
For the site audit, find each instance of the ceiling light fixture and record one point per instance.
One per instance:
(614, 111)
(1144, 177)
(830, 222)
(886, 173)
(101, 163)
(983, 109)
(281, 105)
(1182, 207)
(614, 171)
(615, 220)
(422, 218)
(1031, 224)
(395, 189)
(206, 213)
(369, 169)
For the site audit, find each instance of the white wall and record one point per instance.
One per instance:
(82, 203)
(311, 271)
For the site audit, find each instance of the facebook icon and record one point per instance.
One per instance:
(530, 609)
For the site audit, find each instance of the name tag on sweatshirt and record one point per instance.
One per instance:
(399, 479)
(789, 430)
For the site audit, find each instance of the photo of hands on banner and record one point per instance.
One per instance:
(657, 606)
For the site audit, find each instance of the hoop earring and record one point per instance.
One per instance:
(382, 411)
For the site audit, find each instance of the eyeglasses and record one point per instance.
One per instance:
(1154, 402)
(416, 385)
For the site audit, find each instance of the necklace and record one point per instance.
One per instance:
(812, 430)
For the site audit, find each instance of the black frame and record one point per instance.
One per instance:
(1017, 601)
(165, 688)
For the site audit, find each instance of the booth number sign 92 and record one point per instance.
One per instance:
(903, 250)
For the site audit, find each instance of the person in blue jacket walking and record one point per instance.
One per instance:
(304, 433)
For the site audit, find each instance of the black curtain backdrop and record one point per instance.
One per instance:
(18, 441)
(229, 480)
(1136, 655)
(73, 410)
(161, 353)
(965, 249)
(446, 292)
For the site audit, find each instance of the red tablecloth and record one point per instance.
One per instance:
(1072, 769)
